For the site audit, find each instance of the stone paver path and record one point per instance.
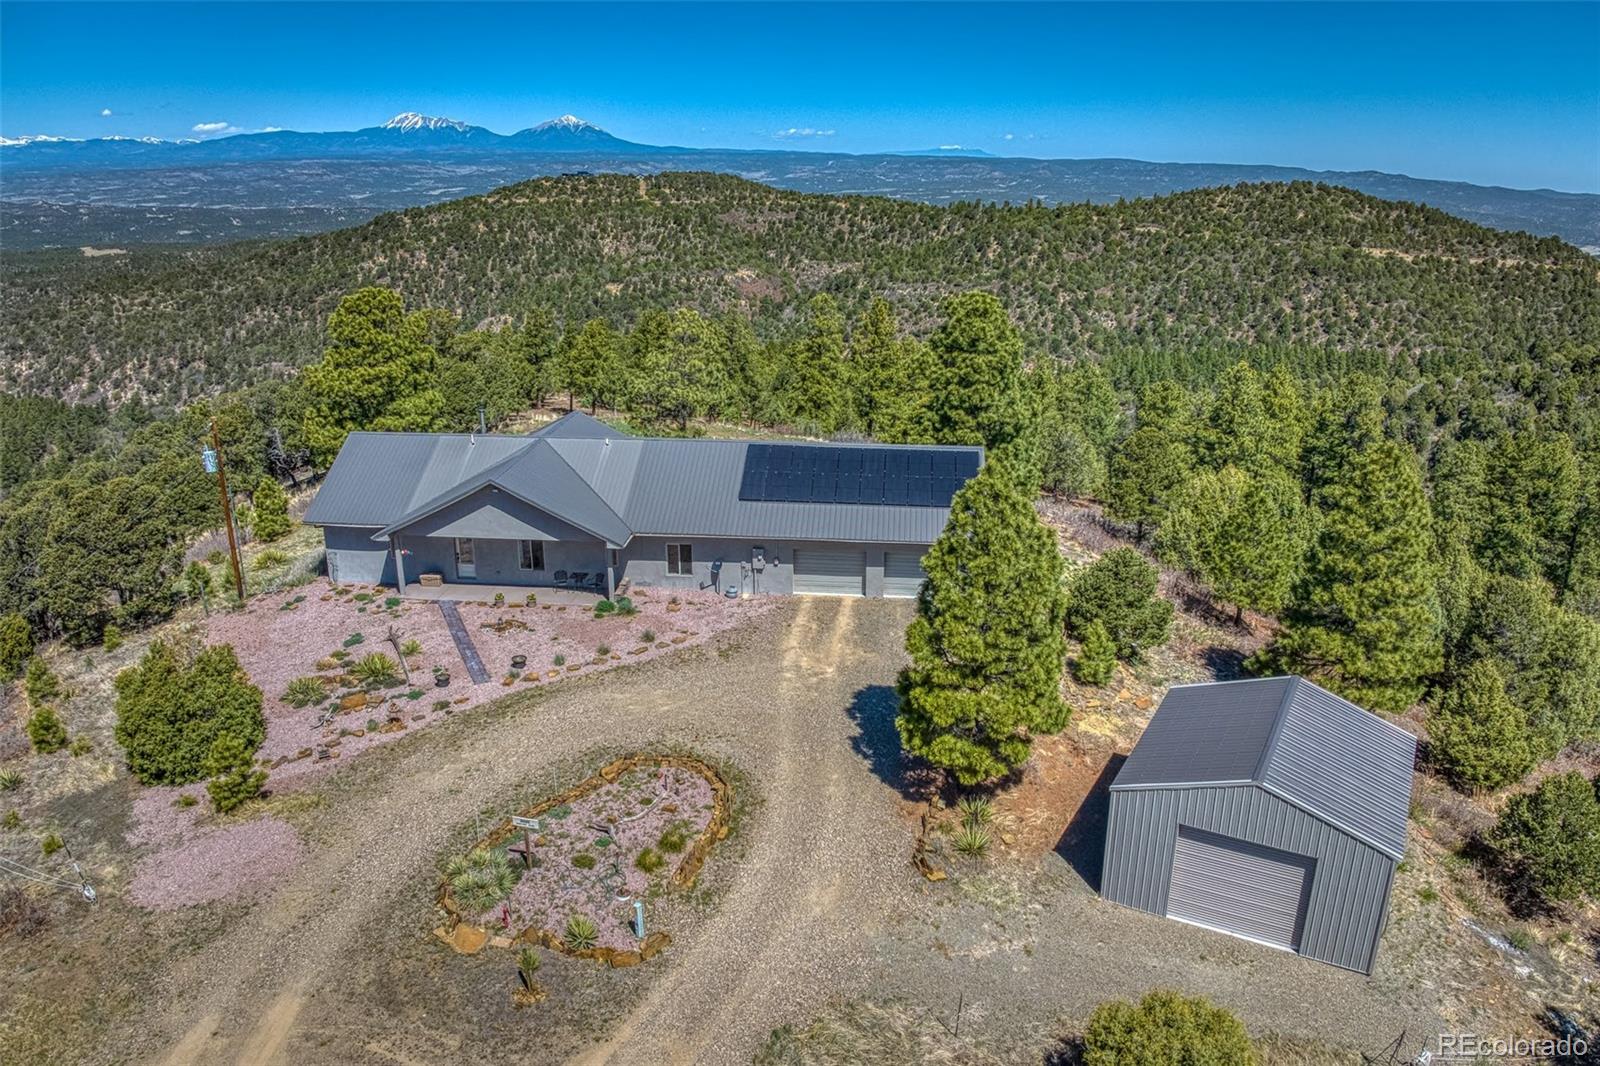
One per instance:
(458, 633)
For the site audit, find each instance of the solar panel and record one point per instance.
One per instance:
(909, 477)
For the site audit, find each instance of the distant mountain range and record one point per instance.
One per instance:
(114, 191)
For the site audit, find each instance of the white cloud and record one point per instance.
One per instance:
(270, 129)
(1011, 136)
(105, 112)
(803, 131)
(215, 127)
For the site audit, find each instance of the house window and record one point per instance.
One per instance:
(532, 555)
(680, 559)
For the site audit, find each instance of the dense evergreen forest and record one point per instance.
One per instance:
(1398, 456)
(1300, 265)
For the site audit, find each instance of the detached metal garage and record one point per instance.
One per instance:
(1270, 810)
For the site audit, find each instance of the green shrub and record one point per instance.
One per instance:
(272, 508)
(561, 660)
(51, 843)
(625, 607)
(353, 639)
(532, 600)
(971, 839)
(12, 820)
(41, 685)
(176, 702)
(111, 638)
(602, 650)
(975, 810)
(674, 839)
(528, 963)
(581, 933)
(584, 861)
(372, 725)
(269, 560)
(649, 860)
(1476, 736)
(1165, 1029)
(81, 745)
(391, 602)
(604, 608)
(480, 879)
(305, 692)
(1097, 660)
(10, 780)
(1119, 591)
(440, 705)
(1519, 938)
(197, 583)
(363, 597)
(46, 731)
(648, 636)
(188, 800)
(414, 694)
(215, 557)
(233, 773)
(1552, 837)
(411, 647)
(16, 645)
(499, 599)
(376, 669)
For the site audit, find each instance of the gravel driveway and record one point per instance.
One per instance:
(822, 872)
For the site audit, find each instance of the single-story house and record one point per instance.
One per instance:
(580, 504)
(1268, 809)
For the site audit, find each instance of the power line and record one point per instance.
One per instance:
(31, 874)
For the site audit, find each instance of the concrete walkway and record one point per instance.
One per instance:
(465, 593)
(468, 651)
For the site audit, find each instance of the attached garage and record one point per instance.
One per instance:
(902, 573)
(830, 572)
(1270, 810)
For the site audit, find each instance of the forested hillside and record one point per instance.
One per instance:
(1319, 269)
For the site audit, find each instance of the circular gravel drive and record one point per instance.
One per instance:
(824, 868)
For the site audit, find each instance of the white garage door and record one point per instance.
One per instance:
(830, 573)
(902, 573)
(1236, 887)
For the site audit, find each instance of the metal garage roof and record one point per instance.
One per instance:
(603, 481)
(1322, 753)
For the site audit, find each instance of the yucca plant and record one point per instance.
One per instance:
(375, 669)
(975, 810)
(528, 963)
(411, 647)
(971, 839)
(480, 879)
(305, 691)
(10, 780)
(581, 933)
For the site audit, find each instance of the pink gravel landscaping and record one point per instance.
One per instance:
(194, 865)
(605, 831)
(284, 636)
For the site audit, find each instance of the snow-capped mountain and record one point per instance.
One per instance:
(411, 120)
(38, 138)
(569, 133)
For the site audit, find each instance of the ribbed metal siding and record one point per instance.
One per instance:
(1238, 887)
(1349, 896)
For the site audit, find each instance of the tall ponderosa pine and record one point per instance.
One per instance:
(1156, 459)
(272, 508)
(815, 391)
(679, 362)
(986, 646)
(377, 373)
(1364, 619)
(589, 364)
(890, 374)
(977, 393)
(1476, 735)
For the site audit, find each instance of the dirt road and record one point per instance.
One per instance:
(773, 699)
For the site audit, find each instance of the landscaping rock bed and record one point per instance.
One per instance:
(193, 864)
(298, 633)
(640, 825)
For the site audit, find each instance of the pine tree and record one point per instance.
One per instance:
(977, 395)
(45, 731)
(1146, 472)
(678, 364)
(816, 391)
(1553, 834)
(1118, 590)
(272, 509)
(172, 707)
(588, 364)
(16, 645)
(1097, 660)
(377, 373)
(1257, 555)
(1476, 735)
(1237, 429)
(233, 773)
(197, 584)
(986, 645)
(1364, 619)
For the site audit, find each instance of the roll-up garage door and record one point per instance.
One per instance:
(830, 573)
(1236, 887)
(902, 573)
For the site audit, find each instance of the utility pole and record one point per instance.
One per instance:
(227, 511)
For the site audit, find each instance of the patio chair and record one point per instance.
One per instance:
(580, 578)
(560, 579)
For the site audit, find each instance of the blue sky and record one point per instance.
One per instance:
(1500, 94)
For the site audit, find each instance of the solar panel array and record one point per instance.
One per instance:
(910, 477)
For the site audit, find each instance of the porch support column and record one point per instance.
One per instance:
(611, 575)
(399, 565)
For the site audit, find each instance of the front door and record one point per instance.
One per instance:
(465, 567)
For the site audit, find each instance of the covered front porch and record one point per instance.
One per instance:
(476, 593)
(478, 567)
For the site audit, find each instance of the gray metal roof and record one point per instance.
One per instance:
(1322, 753)
(599, 479)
